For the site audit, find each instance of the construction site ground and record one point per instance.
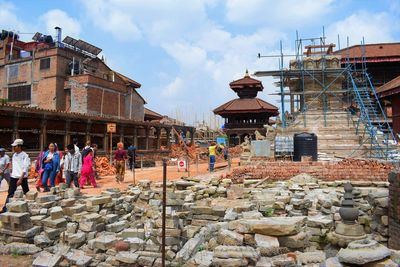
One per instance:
(153, 174)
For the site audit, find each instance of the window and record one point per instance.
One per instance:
(45, 63)
(12, 71)
(19, 93)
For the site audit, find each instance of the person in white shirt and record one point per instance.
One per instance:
(75, 141)
(20, 164)
(4, 166)
(72, 166)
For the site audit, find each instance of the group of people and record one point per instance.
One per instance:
(71, 166)
(53, 167)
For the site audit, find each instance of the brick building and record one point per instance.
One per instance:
(65, 76)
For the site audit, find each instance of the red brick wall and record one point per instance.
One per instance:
(348, 169)
(394, 211)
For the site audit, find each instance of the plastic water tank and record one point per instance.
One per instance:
(305, 144)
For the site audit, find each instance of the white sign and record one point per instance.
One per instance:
(181, 164)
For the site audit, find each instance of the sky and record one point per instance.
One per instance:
(185, 52)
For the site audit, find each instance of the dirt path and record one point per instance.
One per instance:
(153, 174)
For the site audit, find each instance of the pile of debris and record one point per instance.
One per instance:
(103, 167)
(210, 222)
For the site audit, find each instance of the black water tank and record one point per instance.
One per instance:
(305, 144)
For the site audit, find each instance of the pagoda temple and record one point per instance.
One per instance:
(246, 114)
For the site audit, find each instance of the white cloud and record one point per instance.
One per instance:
(8, 18)
(207, 56)
(56, 17)
(156, 20)
(173, 88)
(374, 27)
(283, 13)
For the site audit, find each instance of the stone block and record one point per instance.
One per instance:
(133, 232)
(56, 213)
(69, 202)
(17, 206)
(14, 218)
(297, 241)
(273, 226)
(127, 257)
(267, 245)
(76, 240)
(31, 195)
(87, 226)
(47, 259)
(55, 223)
(111, 218)
(76, 209)
(41, 241)
(38, 219)
(104, 242)
(45, 198)
(53, 234)
(117, 226)
(28, 233)
(78, 258)
(229, 238)
(93, 201)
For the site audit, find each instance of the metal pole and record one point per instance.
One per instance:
(282, 95)
(163, 212)
(141, 162)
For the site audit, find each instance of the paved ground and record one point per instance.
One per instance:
(154, 174)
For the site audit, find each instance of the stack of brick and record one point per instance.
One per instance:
(16, 223)
(349, 169)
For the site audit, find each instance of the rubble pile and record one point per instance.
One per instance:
(103, 167)
(209, 222)
(179, 151)
(350, 169)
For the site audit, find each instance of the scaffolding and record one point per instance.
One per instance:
(357, 92)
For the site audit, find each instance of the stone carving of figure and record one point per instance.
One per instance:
(246, 145)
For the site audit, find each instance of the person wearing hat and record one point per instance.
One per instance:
(4, 166)
(20, 164)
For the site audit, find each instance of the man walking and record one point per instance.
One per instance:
(4, 166)
(132, 156)
(120, 156)
(212, 152)
(20, 168)
(72, 166)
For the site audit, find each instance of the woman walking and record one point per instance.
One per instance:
(87, 173)
(51, 166)
(120, 157)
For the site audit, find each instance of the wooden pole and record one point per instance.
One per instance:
(110, 148)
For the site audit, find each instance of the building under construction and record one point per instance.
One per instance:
(334, 97)
(54, 90)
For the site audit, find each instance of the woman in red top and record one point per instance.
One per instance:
(120, 156)
(87, 172)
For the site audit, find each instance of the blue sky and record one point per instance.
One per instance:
(185, 52)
